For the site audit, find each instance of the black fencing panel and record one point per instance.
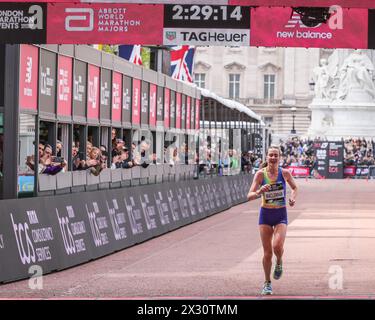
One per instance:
(96, 210)
(160, 104)
(172, 109)
(136, 217)
(28, 239)
(192, 114)
(183, 112)
(121, 218)
(321, 152)
(145, 109)
(182, 197)
(167, 208)
(47, 82)
(191, 200)
(105, 94)
(79, 88)
(72, 229)
(126, 100)
(2, 74)
(336, 160)
(175, 202)
(147, 202)
(53, 233)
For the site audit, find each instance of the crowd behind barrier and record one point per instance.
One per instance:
(299, 156)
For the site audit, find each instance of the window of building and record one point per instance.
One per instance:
(200, 80)
(269, 86)
(234, 86)
(268, 120)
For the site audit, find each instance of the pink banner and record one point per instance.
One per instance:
(188, 103)
(167, 96)
(197, 112)
(105, 23)
(28, 83)
(136, 108)
(278, 27)
(286, 3)
(349, 171)
(305, 3)
(116, 96)
(178, 110)
(64, 85)
(299, 171)
(93, 92)
(152, 105)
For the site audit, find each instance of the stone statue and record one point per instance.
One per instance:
(321, 78)
(356, 74)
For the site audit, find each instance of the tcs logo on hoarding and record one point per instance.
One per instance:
(81, 20)
(24, 243)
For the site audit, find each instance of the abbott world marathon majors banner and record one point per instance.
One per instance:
(292, 3)
(41, 235)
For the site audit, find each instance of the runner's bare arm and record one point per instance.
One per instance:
(254, 191)
(290, 180)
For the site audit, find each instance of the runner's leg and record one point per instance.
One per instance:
(266, 233)
(278, 241)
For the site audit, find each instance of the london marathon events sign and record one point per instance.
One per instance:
(23, 22)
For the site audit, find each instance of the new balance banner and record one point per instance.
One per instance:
(206, 25)
(282, 27)
(64, 85)
(22, 22)
(28, 83)
(105, 23)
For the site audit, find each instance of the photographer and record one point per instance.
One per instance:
(49, 164)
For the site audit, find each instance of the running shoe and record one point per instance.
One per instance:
(267, 288)
(277, 273)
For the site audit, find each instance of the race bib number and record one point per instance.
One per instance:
(275, 194)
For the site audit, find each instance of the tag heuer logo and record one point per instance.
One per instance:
(170, 35)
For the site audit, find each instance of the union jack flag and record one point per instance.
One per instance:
(182, 58)
(131, 53)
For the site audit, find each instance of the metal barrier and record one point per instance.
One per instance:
(79, 181)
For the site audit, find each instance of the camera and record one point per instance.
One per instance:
(58, 159)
